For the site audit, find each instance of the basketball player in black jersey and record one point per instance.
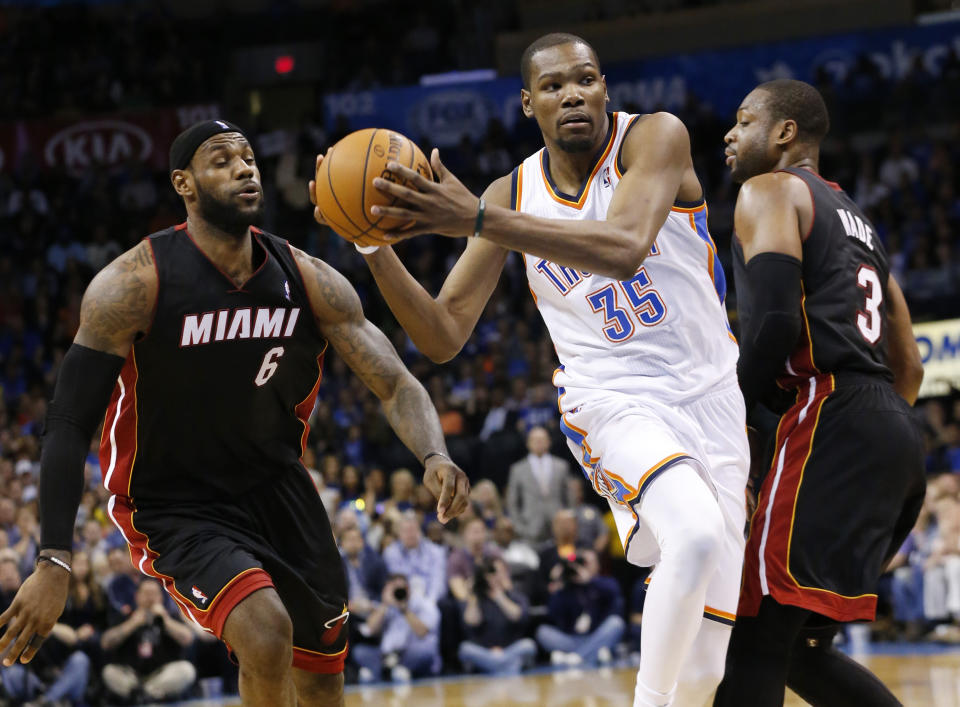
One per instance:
(823, 321)
(207, 342)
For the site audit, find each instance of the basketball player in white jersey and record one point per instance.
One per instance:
(611, 221)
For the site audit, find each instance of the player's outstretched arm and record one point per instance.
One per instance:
(656, 155)
(117, 305)
(372, 357)
(902, 350)
(440, 327)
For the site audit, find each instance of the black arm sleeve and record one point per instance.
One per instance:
(83, 389)
(770, 336)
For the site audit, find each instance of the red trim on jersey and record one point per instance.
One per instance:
(118, 443)
(305, 407)
(801, 359)
(122, 510)
(319, 662)
(156, 295)
(795, 438)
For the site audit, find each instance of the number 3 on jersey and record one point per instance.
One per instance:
(869, 322)
(269, 365)
(645, 302)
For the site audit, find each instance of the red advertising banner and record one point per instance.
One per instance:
(76, 144)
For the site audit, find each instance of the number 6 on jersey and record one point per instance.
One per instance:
(269, 365)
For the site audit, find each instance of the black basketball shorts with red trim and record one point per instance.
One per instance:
(842, 493)
(212, 555)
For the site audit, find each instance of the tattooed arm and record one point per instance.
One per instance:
(117, 305)
(372, 357)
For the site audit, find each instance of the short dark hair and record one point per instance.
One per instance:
(545, 42)
(788, 99)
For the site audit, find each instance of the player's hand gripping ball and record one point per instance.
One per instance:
(344, 190)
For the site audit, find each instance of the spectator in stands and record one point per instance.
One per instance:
(365, 570)
(537, 488)
(562, 546)
(121, 584)
(422, 562)
(486, 499)
(495, 616)
(592, 532)
(402, 486)
(463, 562)
(584, 612)
(408, 624)
(146, 650)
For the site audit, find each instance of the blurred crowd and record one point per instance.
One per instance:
(533, 572)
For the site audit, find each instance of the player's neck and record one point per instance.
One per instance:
(569, 170)
(231, 253)
(800, 161)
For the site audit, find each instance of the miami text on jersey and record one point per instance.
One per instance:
(240, 323)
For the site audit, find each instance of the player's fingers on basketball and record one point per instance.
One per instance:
(401, 192)
(318, 217)
(397, 212)
(312, 192)
(410, 176)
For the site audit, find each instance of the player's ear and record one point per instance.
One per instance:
(525, 103)
(788, 132)
(606, 94)
(182, 182)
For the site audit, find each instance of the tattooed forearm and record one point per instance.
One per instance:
(369, 354)
(414, 419)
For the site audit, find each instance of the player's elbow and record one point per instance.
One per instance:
(440, 349)
(627, 259)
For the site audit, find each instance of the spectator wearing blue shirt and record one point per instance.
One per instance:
(584, 613)
(409, 624)
(422, 562)
(365, 570)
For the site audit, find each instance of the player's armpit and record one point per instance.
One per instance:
(119, 303)
(656, 157)
(769, 212)
(904, 355)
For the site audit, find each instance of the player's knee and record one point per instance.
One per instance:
(261, 635)
(701, 540)
(318, 690)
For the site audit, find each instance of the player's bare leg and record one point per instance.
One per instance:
(318, 690)
(260, 633)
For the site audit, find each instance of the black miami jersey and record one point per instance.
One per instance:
(214, 399)
(843, 310)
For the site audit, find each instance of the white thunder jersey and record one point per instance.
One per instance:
(662, 334)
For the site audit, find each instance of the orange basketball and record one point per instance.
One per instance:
(345, 190)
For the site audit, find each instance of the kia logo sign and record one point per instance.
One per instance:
(98, 142)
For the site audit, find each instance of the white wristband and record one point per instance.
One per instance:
(366, 249)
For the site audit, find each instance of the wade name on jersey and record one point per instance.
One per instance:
(238, 323)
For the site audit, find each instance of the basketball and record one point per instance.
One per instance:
(345, 191)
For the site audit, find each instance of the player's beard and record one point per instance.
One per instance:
(226, 216)
(575, 145)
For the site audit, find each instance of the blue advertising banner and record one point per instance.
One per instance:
(720, 78)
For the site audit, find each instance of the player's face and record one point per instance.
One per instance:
(568, 97)
(751, 146)
(227, 183)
